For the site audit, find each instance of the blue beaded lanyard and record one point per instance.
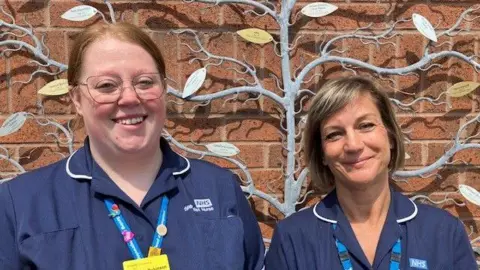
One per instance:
(347, 263)
(128, 235)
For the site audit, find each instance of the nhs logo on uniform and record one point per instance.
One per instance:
(417, 263)
(203, 204)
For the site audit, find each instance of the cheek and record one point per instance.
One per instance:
(331, 151)
(157, 106)
(97, 112)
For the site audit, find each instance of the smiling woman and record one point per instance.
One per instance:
(125, 199)
(353, 144)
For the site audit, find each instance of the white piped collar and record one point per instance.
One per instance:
(329, 209)
(78, 164)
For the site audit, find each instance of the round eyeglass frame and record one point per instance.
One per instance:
(122, 88)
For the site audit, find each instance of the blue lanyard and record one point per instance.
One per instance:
(347, 263)
(127, 233)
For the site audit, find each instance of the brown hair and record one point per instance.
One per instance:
(332, 97)
(122, 31)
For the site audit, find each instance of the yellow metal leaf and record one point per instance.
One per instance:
(255, 35)
(55, 88)
(462, 88)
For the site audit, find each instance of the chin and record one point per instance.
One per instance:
(132, 146)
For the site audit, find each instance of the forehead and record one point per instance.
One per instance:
(111, 54)
(361, 106)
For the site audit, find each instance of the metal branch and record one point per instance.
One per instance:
(312, 77)
(354, 35)
(277, 81)
(300, 107)
(295, 43)
(230, 91)
(33, 74)
(246, 12)
(249, 189)
(302, 200)
(305, 91)
(255, 4)
(201, 104)
(445, 200)
(251, 72)
(36, 50)
(110, 10)
(430, 100)
(458, 22)
(46, 122)
(427, 58)
(457, 147)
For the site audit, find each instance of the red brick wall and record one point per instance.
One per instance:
(253, 127)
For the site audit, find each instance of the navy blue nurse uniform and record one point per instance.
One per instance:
(430, 238)
(55, 217)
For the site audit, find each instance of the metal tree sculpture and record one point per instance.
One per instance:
(291, 85)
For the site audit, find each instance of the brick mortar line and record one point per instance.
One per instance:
(227, 29)
(36, 144)
(274, 116)
(456, 166)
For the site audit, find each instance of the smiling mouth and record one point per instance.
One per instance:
(130, 121)
(358, 162)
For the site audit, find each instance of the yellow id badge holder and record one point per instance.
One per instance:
(149, 263)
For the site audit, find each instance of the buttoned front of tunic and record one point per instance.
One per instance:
(55, 217)
(431, 238)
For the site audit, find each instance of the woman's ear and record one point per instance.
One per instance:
(75, 96)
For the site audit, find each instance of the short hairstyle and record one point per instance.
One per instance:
(122, 31)
(332, 97)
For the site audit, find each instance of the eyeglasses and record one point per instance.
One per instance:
(108, 89)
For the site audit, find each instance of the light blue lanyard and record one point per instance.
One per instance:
(347, 263)
(126, 232)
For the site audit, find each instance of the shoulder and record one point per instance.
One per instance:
(429, 213)
(303, 222)
(35, 186)
(206, 180)
(431, 219)
(198, 166)
(206, 173)
(38, 179)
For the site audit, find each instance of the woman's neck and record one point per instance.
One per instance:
(134, 174)
(365, 205)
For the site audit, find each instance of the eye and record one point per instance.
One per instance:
(367, 126)
(106, 85)
(145, 82)
(333, 136)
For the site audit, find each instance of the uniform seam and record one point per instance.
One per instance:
(47, 233)
(81, 235)
(15, 225)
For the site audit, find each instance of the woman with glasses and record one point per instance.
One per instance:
(125, 200)
(353, 144)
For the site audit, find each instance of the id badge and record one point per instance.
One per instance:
(149, 263)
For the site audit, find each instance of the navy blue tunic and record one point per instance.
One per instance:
(431, 238)
(55, 217)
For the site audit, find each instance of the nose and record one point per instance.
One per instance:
(128, 96)
(354, 142)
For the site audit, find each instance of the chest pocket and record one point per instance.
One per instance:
(223, 242)
(60, 249)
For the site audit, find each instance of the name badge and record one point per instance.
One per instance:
(149, 263)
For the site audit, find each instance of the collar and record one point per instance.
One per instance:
(82, 167)
(329, 209)
(79, 165)
(401, 210)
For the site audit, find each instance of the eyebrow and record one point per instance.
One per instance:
(361, 118)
